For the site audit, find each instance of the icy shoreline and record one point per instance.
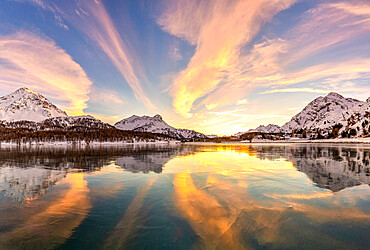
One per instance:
(298, 140)
(83, 143)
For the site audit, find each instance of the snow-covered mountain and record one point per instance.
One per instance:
(25, 104)
(324, 113)
(271, 128)
(69, 123)
(156, 124)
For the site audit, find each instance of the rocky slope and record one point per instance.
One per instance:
(25, 104)
(156, 124)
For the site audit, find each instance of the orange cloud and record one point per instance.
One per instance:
(38, 63)
(219, 29)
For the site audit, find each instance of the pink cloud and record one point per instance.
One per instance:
(37, 62)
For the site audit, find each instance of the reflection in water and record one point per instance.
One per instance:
(26, 184)
(206, 215)
(151, 160)
(53, 222)
(334, 168)
(215, 210)
(27, 173)
(131, 221)
(227, 195)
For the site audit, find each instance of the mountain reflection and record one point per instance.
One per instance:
(152, 159)
(331, 167)
(26, 173)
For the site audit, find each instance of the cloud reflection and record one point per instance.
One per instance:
(52, 223)
(228, 206)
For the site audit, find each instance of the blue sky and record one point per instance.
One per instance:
(218, 67)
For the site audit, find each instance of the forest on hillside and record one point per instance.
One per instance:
(25, 135)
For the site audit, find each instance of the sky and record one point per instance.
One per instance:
(217, 67)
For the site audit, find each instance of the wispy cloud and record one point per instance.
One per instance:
(37, 62)
(45, 6)
(91, 18)
(357, 8)
(219, 30)
(104, 96)
(287, 90)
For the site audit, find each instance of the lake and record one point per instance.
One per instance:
(186, 196)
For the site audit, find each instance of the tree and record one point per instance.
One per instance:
(352, 132)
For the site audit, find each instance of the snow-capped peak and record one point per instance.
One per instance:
(335, 95)
(26, 104)
(271, 128)
(155, 124)
(158, 117)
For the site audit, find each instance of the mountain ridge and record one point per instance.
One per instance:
(155, 124)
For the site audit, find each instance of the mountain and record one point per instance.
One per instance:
(25, 104)
(69, 123)
(156, 124)
(326, 114)
(271, 128)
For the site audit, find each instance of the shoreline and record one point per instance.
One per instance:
(296, 141)
(83, 143)
(341, 140)
(257, 141)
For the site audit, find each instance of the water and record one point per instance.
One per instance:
(210, 196)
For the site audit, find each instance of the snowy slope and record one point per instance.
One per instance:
(271, 128)
(74, 122)
(25, 104)
(323, 113)
(156, 124)
(359, 119)
(69, 123)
